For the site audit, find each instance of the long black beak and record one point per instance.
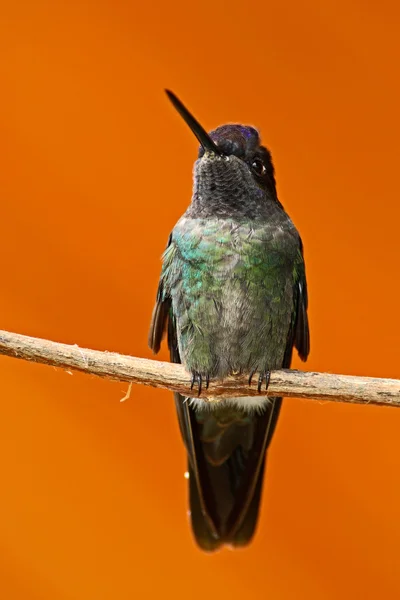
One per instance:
(199, 132)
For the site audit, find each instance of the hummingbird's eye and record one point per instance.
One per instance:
(258, 166)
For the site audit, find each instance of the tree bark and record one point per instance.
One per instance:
(290, 383)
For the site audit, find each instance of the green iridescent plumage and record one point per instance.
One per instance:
(221, 274)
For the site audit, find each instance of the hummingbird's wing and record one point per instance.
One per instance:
(299, 333)
(159, 317)
(226, 448)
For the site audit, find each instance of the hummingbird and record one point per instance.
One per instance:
(232, 298)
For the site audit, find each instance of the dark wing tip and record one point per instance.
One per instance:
(302, 332)
(158, 325)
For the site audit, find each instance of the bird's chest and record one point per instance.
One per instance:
(231, 286)
(213, 251)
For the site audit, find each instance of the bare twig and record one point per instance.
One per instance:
(296, 384)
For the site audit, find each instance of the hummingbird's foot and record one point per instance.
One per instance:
(207, 381)
(198, 378)
(264, 375)
(251, 375)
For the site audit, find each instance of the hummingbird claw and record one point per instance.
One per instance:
(264, 375)
(267, 379)
(200, 381)
(260, 380)
(197, 378)
(251, 375)
(207, 381)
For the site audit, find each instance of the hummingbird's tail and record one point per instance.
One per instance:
(205, 537)
(226, 468)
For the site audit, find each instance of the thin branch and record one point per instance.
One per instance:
(295, 384)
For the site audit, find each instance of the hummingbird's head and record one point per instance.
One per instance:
(234, 173)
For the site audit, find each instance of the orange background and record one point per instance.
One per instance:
(95, 170)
